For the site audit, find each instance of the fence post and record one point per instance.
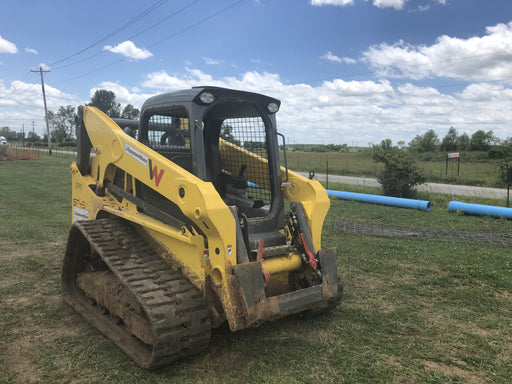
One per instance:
(327, 173)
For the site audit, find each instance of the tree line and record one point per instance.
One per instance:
(479, 141)
(62, 120)
(62, 129)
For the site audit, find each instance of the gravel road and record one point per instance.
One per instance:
(449, 189)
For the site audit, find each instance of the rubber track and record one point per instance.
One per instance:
(178, 315)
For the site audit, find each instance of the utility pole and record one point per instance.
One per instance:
(45, 109)
(23, 135)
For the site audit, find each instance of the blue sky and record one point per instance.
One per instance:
(347, 71)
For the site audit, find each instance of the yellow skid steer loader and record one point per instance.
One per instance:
(179, 224)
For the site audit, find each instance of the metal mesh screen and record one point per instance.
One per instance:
(169, 136)
(248, 133)
(168, 132)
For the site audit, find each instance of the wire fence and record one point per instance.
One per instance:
(430, 234)
(18, 152)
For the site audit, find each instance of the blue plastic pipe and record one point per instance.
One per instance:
(422, 205)
(479, 209)
(252, 185)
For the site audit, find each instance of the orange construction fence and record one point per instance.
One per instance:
(22, 153)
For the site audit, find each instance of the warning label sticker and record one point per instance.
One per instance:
(80, 214)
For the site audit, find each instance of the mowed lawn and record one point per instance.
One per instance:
(414, 311)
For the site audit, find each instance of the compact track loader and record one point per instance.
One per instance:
(179, 224)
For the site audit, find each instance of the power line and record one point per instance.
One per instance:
(133, 36)
(116, 31)
(232, 5)
(156, 43)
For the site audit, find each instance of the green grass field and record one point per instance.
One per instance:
(413, 312)
(473, 170)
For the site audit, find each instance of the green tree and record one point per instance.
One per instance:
(385, 144)
(7, 133)
(129, 112)
(254, 145)
(105, 101)
(463, 142)
(400, 174)
(318, 148)
(426, 143)
(449, 142)
(33, 137)
(226, 132)
(505, 177)
(63, 123)
(482, 141)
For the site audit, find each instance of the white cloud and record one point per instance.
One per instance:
(31, 50)
(128, 49)
(336, 59)
(340, 3)
(29, 94)
(7, 47)
(210, 61)
(336, 111)
(340, 111)
(162, 81)
(477, 58)
(44, 67)
(123, 95)
(349, 60)
(23, 102)
(397, 4)
(330, 57)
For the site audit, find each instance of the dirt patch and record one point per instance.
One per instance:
(476, 330)
(10, 251)
(220, 360)
(466, 376)
(13, 254)
(400, 374)
(19, 360)
(378, 304)
(30, 338)
(369, 283)
(29, 335)
(51, 301)
(507, 295)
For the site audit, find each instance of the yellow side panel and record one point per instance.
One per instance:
(197, 199)
(314, 199)
(310, 192)
(242, 156)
